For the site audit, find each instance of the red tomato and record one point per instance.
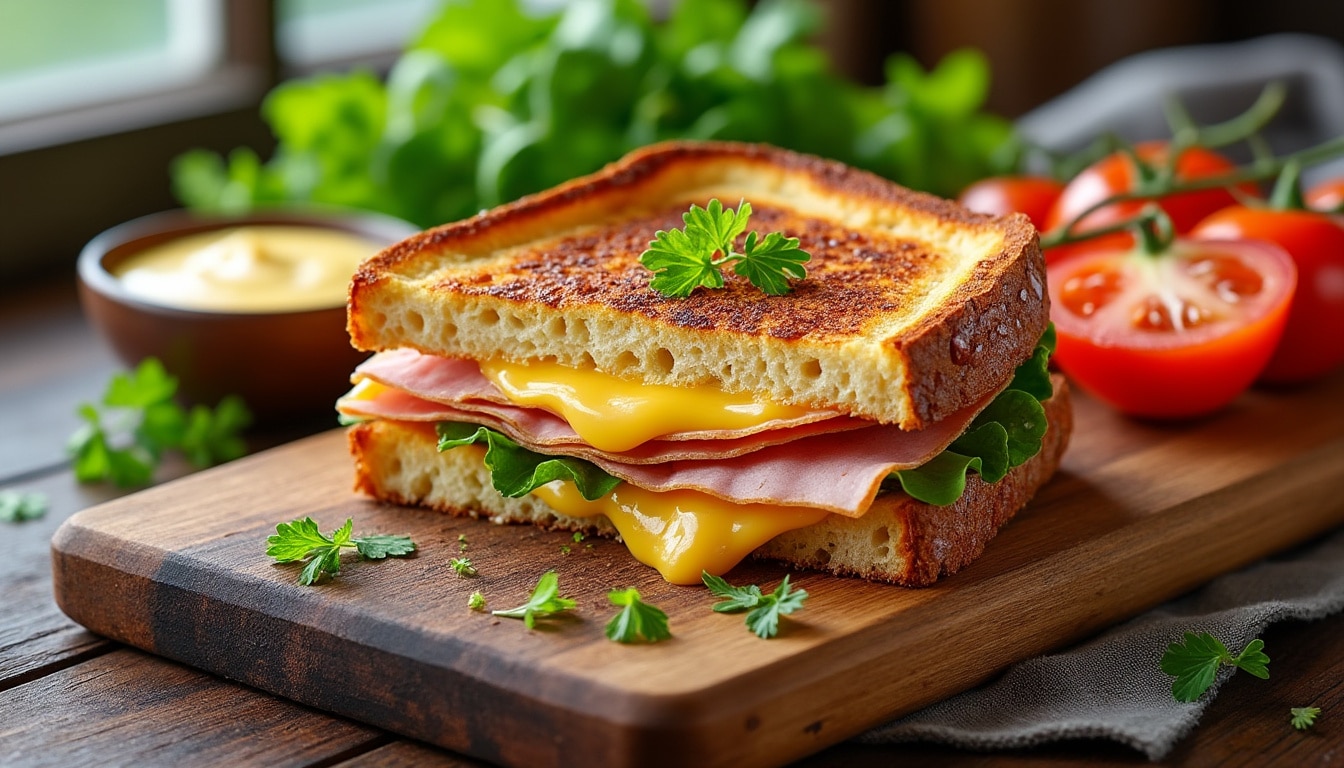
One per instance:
(1313, 342)
(1175, 335)
(1327, 195)
(1114, 174)
(1032, 195)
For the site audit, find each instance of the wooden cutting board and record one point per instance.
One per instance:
(1140, 513)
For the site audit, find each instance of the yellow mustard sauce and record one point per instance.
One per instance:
(264, 268)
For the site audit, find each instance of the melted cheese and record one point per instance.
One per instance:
(682, 533)
(614, 414)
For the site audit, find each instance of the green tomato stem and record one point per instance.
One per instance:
(1287, 194)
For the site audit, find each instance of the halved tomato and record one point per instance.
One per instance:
(1172, 335)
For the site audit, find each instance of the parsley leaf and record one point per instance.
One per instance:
(476, 602)
(1304, 717)
(1195, 661)
(763, 610)
(19, 507)
(301, 539)
(545, 601)
(125, 439)
(462, 566)
(637, 619)
(685, 259)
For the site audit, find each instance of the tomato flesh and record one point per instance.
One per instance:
(1170, 336)
(1313, 342)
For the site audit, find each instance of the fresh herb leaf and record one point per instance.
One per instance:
(462, 566)
(19, 507)
(545, 601)
(764, 610)
(1195, 661)
(461, 542)
(139, 422)
(476, 602)
(637, 620)
(1304, 717)
(381, 545)
(578, 536)
(516, 471)
(301, 539)
(685, 259)
(564, 549)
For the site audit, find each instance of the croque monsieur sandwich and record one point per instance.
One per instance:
(884, 418)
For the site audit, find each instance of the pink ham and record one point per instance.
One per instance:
(460, 384)
(546, 433)
(806, 464)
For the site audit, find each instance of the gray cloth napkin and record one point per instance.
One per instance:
(1110, 686)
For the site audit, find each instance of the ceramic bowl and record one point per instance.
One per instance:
(288, 366)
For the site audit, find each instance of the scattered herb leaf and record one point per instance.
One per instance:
(301, 539)
(1304, 717)
(637, 620)
(476, 602)
(1195, 661)
(461, 542)
(125, 439)
(564, 549)
(19, 506)
(578, 536)
(763, 610)
(462, 566)
(545, 601)
(685, 259)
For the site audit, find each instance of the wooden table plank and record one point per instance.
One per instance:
(127, 708)
(410, 754)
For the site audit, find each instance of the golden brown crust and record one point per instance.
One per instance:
(899, 540)
(938, 303)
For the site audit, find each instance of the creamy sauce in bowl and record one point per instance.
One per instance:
(249, 269)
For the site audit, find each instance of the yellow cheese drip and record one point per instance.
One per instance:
(682, 533)
(614, 414)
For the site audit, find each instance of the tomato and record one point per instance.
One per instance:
(1327, 195)
(1032, 195)
(1313, 342)
(1175, 335)
(1114, 174)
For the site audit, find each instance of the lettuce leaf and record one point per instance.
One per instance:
(1005, 435)
(516, 471)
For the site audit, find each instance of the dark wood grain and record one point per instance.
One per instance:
(180, 570)
(124, 704)
(409, 754)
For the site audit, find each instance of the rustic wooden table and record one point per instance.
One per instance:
(68, 697)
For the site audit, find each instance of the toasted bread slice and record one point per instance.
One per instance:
(912, 308)
(898, 540)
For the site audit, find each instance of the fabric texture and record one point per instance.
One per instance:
(1111, 686)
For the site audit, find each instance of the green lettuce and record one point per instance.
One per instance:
(1005, 435)
(516, 471)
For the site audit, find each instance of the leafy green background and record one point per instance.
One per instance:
(489, 103)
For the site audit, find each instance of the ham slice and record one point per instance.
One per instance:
(837, 464)
(539, 430)
(460, 384)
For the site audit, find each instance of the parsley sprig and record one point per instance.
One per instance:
(685, 259)
(462, 566)
(1304, 717)
(637, 619)
(124, 438)
(764, 610)
(545, 601)
(19, 507)
(1195, 662)
(300, 539)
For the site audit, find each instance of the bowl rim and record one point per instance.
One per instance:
(93, 273)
